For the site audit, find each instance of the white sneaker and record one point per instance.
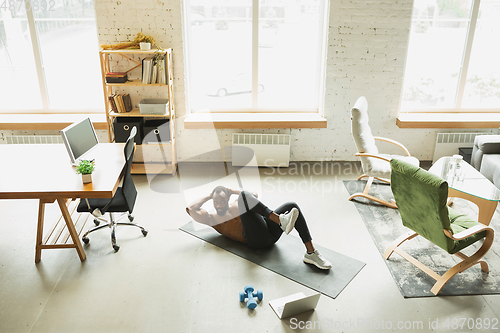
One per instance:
(287, 220)
(317, 259)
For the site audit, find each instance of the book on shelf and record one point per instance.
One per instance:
(120, 103)
(116, 74)
(117, 103)
(162, 72)
(128, 102)
(116, 77)
(154, 74)
(147, 69)
(112, 103)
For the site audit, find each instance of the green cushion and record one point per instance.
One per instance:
(459, 223)
(422, 202)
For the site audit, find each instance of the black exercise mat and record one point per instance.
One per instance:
(285, 258)
(385, 226)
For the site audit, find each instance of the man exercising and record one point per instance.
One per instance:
(249, 221)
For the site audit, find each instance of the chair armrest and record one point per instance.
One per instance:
(466, 233)
(372, 155)
(394, 142)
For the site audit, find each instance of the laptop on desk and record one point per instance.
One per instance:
(80, 139)
(294, 304)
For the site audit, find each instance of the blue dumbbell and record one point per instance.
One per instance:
(251, 304)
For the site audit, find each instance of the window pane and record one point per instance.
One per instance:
(220, 57)
(289, 54)
(17, 65)
(289, 46)
(435, 53)
(482, 89)
(68, 43)
(71, 64)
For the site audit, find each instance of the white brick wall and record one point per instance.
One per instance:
(367, 43)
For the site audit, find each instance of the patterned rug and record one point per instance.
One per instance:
(384, 225)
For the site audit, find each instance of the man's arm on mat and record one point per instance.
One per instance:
(199, 214)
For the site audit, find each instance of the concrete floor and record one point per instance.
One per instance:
(173, 282)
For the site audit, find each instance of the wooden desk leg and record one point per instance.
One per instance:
(71, 228)
(39, 231)
(486, 207)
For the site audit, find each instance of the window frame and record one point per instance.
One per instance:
(322, 49)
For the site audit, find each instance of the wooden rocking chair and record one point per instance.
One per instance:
(375, 165)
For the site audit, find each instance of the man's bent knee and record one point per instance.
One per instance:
(292, 204)
(247, 197)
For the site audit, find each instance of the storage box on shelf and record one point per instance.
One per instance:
(153, 106)
(157, 153)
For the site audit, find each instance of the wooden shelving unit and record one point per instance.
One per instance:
(155, 164)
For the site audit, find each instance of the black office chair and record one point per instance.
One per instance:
(122, 202)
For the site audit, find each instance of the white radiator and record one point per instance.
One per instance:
(447, 144)
(31, 139)
(269, 149)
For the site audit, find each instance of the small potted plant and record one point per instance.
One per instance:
(85, 168)
(145, 46)
(145, 41)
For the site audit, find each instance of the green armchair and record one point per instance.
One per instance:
(421, 198)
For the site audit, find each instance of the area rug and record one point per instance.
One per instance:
(285, 258)
(385, 226)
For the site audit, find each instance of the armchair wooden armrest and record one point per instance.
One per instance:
(394, 142)
(372, 155)
(467, 233)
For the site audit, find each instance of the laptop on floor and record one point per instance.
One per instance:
(294, 304)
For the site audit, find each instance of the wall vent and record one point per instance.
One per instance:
(32, 139)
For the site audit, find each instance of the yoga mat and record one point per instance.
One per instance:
(285, 258)
(384, 225)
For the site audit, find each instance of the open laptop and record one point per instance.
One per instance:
(80, 139)
(294, 304)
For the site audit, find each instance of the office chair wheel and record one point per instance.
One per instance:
(97, 222)
(86, 240)
(130, 218)
(116, 247)
(144, 232)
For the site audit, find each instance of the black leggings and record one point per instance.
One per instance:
(258, 229)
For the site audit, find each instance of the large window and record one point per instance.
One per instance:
(452, 62)
(49, 56)
(257, 55)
